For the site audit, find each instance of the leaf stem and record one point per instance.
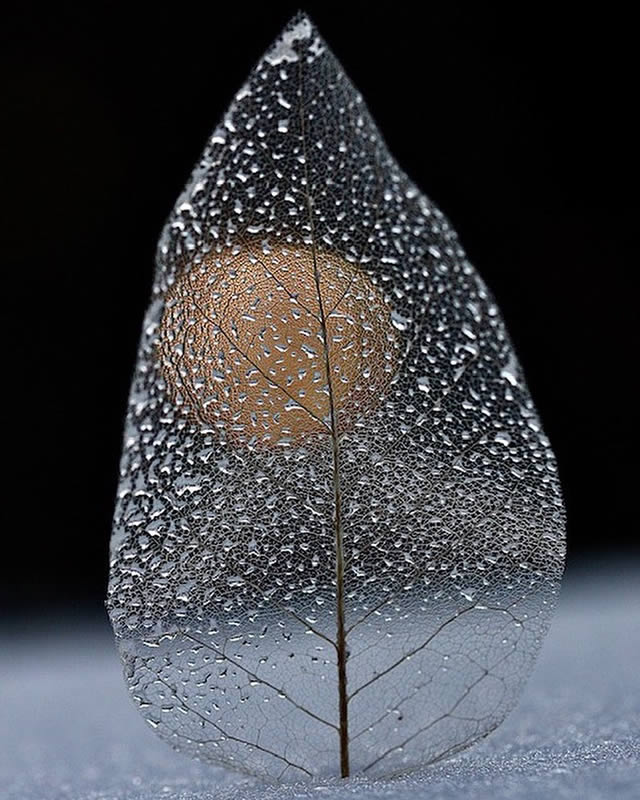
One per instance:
(341, 636)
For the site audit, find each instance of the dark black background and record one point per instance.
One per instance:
(518, 120)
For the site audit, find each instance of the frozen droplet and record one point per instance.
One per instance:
(510, 370)
(399, 322)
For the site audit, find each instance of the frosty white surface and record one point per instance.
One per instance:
(339, 531)
(68, 731)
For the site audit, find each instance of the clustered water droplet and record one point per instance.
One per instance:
(339, 530)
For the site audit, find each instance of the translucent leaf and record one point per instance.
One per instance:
(339, 530)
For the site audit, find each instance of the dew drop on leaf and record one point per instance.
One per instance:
(339, 529)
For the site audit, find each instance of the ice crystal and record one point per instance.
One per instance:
(339, 529)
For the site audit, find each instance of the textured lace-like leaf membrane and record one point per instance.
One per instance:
(339, 530)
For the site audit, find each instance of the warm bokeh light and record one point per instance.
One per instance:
(241, 342)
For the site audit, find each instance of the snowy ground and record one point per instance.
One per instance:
(69, 732)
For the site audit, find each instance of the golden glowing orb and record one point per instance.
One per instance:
(242, 342)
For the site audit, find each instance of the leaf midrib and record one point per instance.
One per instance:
(341, 638)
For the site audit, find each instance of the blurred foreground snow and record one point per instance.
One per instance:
(69, 732)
